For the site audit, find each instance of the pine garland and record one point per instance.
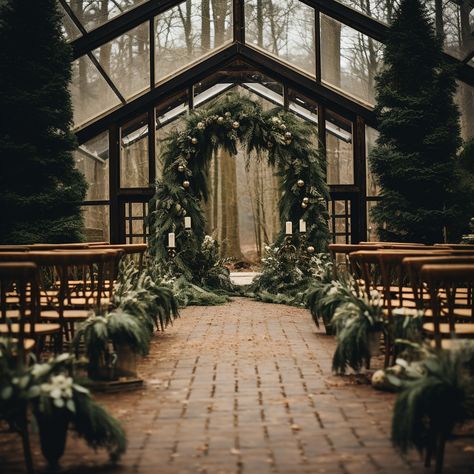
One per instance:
(185, 180)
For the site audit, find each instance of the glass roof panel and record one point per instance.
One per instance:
(91, 95)
(69, 29)
(94, 13)
(283, 28)
(349, 59)
(381, 10)
(126, 60)
(186, 33)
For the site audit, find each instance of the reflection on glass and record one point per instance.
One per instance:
(349, 59)
(94, 13)
(372, 234)
(465, 99)
(188, 32)
(96, 223)
(134, 154)
(339, 150)
(126, 61)
(92, 160)
(371, 136)
(382, 10)
(91, 95)
(284, 28)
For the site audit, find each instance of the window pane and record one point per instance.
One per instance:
(91, 95)
(94, 13)
(92, 160)
(69, 29)
(283, 28)
(381, 10)
(339, 150)
(349, 59)
(372, 235)
(371, 136)
(186, 33)
(134, 154)
(126, 61)
(96, 223)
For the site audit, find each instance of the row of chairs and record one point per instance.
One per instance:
(46, 290)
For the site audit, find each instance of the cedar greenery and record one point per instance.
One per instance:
(187, 157)
(40, 189)
(418, 121)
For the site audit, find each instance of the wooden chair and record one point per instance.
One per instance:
(19, 306)
(443, 282)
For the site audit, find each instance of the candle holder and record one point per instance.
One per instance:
(171, 252)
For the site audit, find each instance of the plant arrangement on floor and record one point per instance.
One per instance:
(184, 183)
(112, 340)
(436, 395)
(58, 403)
(359, 323)
(288, 274)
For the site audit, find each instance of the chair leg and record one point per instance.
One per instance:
(429, 449)
(25, 437)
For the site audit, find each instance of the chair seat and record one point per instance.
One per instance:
(463, 329)
(40, 328)
(69, 314)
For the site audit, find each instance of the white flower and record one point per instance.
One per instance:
(378, 378)
(38, 370)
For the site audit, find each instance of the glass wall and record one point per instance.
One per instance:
(339, 150)
(283, 28)
(189, 31)
(349, 59)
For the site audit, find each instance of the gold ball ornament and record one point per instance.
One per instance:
(201, 125)
(186, 184)
(227, 114)
(310, 249)
(194, 141)
(181, 168)
(220, 119)
(300, 183)
(306, 200)
(178, 207)
(276, 120)
(183, 212)
(288, 142)
(283, 126)
(235, 125)
(288, 135)
(304, 205)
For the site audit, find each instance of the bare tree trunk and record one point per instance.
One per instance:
(260, 23)
(331, 32)
(219, 9)
(205, 26)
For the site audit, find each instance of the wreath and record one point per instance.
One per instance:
(184, 184)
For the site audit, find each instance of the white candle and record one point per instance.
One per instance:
(289, 228)
(171, 240)
(187, 222)
(302, 225)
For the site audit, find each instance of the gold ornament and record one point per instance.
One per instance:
(227, 114)
(288, 142)
(201, 125)
(300, 183)
(283, 126)
(178, 207)
(310, 249)
(276, 120)
(186, 184)
(220, 119)
(194, 141)
(181, 168)
(183, 212)
(235, 124)
(288, 135)
(306, 200)
(304, 205)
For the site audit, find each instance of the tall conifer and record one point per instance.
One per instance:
(40, 189)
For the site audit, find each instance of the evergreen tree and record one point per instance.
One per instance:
(414, 160)
(40, 189)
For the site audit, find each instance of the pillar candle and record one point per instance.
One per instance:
(171, 240)
(302, 225)
(289, 229)
(187, 222)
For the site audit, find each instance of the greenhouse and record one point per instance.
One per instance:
(237, 236)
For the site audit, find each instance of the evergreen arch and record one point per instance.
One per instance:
(186, 162)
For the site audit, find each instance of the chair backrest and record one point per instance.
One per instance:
(136, 251)
(443, 280)
(19, 293)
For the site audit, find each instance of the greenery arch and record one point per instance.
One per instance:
(186, 162)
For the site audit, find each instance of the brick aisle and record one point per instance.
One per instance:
(247, 388)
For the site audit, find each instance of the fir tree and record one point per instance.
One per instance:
(414, 160)
(40, 189)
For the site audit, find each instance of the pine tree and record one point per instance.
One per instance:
(414, 160)
(40, 189)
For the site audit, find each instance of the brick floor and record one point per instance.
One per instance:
(247, 388)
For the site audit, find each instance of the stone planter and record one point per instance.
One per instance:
(126, 362)
(374, 343)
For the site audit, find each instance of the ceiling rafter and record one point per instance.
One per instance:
(235, 51)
